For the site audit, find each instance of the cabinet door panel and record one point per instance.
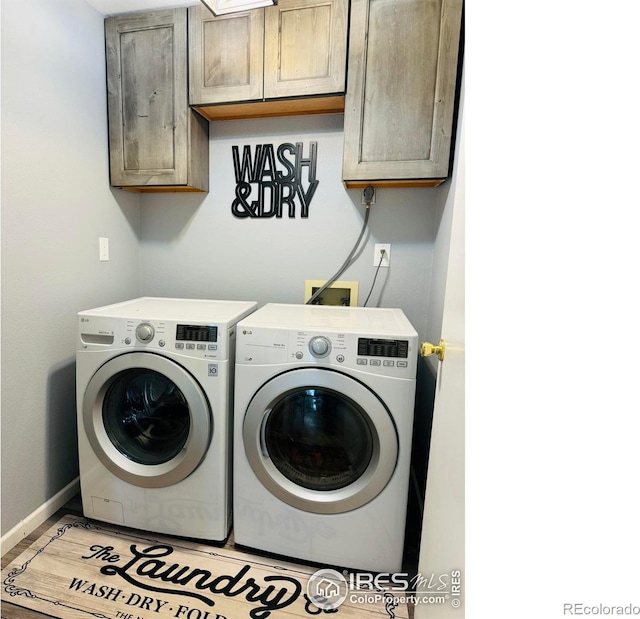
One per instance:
(147, 99)
(397, 41)
(146, 89)
(305, 48)
(225, 56)
(401, 92)
(302, 56)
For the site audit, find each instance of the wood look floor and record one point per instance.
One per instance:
(11, 611)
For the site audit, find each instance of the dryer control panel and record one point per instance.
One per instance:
(393, 356)
(374, 347)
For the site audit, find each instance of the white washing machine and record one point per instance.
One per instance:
(154, 400)
(322, 433)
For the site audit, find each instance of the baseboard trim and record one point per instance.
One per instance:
(37, 517)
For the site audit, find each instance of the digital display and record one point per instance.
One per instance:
(370, 347)
(196, 333)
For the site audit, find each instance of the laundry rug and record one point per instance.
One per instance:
(79, 569)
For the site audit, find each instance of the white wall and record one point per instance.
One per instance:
(56, 202)
(193, 246)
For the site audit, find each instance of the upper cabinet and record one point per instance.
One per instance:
(399, 107)
(156, 143)
(226, 56)
(401, 93)
(305, 48)
(286, 59)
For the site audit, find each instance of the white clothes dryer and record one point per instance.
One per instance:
(154, 401)
(322, 433)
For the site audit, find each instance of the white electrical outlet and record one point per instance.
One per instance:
(386, 258)
(103, 243)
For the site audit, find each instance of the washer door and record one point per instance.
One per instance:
(147, 419)
(320, 440)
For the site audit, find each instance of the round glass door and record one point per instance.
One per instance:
(147, 419)
(146, 416)
(320, 440)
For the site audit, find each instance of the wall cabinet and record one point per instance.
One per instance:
(156, 142)
(399, 109)
(257, 59)
(226, 56)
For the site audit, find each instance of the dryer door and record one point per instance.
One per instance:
(147, 419)
(320, 440)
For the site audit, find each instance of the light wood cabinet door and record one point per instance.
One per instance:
(155, 141)
(401, 91)
(305, 48)
(225, 56)
(284, 60)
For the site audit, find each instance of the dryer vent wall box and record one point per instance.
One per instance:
(323, 421)
(339, 293)
(154, 419)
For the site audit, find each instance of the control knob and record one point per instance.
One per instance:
(145, 332)
(319, 346)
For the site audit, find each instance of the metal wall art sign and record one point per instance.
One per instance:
(274, 181)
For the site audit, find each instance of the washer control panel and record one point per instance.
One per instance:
(197, 333)
(145, 332)
(208, 341)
